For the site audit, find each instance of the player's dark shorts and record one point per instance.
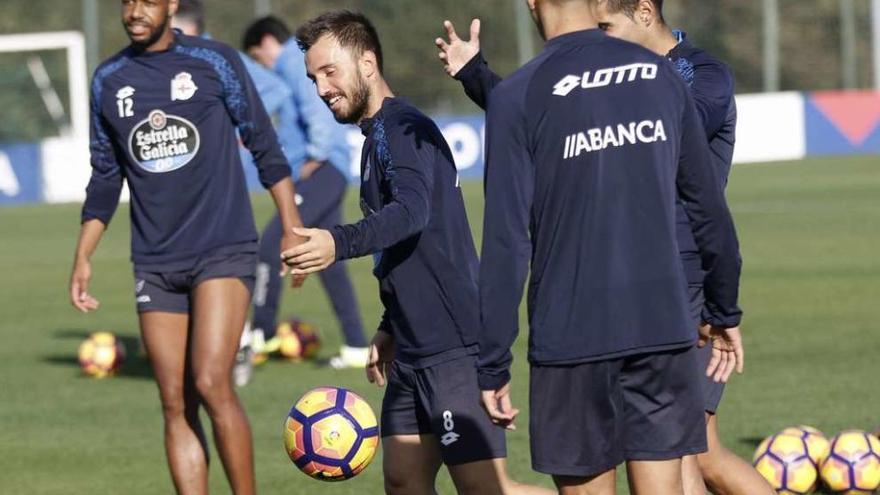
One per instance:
(712, 391)
(587, 418)
(442, 400)
(171, 291)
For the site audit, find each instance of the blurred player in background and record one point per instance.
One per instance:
(586, 146)
(712, 87)
(319, 155)
(416, 227)
(164, 116)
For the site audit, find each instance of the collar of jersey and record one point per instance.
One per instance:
(388, 104)
(579, 37)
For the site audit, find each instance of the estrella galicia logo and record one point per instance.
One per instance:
(162, 143)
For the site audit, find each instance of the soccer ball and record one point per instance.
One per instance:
(297, 340)
(331, 434)
(853, 467)
(784, 462)
(101, 355)
(818, 447)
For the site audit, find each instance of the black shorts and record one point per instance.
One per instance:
(712, 391)
(170, 291)
(588, 418)
(442, 400)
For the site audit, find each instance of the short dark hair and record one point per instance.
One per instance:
(351, 30)
(628, 7)
(194, 11)
(265, 26)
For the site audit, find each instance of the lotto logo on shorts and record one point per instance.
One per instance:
(450, 437)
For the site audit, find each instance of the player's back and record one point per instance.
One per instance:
(603, 121)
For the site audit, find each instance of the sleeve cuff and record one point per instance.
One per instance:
(713, 316)
(341, 241)
(274, 174)
(472, 65)
(493, 380)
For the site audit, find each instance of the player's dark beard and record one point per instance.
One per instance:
(154, 36)
(359, 100)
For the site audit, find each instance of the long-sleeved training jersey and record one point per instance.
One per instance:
(711, 85)
(166, 122)
(416, 226)
(587, 146)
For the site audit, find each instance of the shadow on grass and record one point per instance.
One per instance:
(135, 365)
(752, 442)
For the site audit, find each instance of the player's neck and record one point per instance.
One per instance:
(377, 97)
(567, 21)
(663, 41)
(163, 43)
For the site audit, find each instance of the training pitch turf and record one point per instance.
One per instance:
(809, 231)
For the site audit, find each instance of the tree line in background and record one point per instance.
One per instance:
(730, 29)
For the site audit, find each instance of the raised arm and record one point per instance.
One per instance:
(463, 61)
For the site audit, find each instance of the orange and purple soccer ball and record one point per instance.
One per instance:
(853, 466)
(331, 434)
(101, 355)
(783, 460)
(818, 446)
(298, 340)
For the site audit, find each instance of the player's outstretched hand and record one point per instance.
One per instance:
(314, 255)
(499, 407)
(380, 358)
(727, 351)
(288, 242)
(456, 52)
(79, 287)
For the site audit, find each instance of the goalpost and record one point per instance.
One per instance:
(64, 167)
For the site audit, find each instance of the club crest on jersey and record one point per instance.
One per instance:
(183, 87)
(162, 143)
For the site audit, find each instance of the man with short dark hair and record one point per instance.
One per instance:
(416, 227)
(166, 115)
(318, 152)
(711, 84)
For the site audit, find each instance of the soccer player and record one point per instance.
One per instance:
(711, 85)
(586, 146)
(164, 116)
(318, 153)
(416, 227)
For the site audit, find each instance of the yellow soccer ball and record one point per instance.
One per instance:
(818, 446)
(101, 355)
(784, 462)
(331, 434)
(297, 340)
(853, 466)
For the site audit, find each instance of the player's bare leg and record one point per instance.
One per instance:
(410, 464)
(724, 472)
(600, 484)
(488, 477)
(219, 310)
(654, 477)
(165, 337)
(691, 478)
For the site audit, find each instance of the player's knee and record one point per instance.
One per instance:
(214, 388)
(398, 482)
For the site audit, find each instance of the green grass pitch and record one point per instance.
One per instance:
(810, 234)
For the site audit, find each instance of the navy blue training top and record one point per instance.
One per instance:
(166, 122)
(711, 84)
(416, 226)
(587, 147)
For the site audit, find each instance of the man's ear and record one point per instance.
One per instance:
(172, 7)
(646, 13)
(368, 63)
